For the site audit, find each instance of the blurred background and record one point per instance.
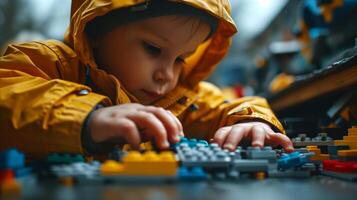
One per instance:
(278, 41)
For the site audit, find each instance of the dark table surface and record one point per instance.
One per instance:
(316, 187)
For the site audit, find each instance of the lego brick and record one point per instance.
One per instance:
(10, 189)
(317, 156)
(261, 153)
(66, 181)
(321, 140)
(6, 174)
(21, 172)
(347, 153)
(64, 158)
(191, 174)
(244, 165)
(342, 176)
(332, 149)
(303, 171)
(191, 142)
(340, 166)
(207, 156)
(260, 175)
(351, 144)
(292, 160)
(11, 158)
(145, 146)
(146, 164)
(78, 170)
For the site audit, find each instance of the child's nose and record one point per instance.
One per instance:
(164, 75)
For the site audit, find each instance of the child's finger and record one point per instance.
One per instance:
(152, 126)
(177, 122)
(129, 131)
(258, 136)
(172, 128)
(221, 135)
(235, 136)
(283, 140)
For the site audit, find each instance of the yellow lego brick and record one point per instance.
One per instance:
(144, 146)
(111, 167)
(352, 131)
(351, 144)
(314, 149)
(318, 155)
(324, 157)
(149, 163)
(350, 138)
(347, 153)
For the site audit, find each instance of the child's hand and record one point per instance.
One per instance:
(260, 133)
(134, 123)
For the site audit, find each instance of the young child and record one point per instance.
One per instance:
(127, 73)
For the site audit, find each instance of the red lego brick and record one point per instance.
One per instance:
(6, 174)
(340, 166)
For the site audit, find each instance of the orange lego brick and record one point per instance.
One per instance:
(347, 153)
(10, 187)
(66, 180)
(260, 175)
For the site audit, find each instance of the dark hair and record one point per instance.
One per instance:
(154, 8)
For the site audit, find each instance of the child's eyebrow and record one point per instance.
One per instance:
(152, 31)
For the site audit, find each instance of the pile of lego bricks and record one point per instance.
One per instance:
(188, 160)
(340, 157)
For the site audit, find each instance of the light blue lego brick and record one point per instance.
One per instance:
(11, 159)
(295, 159)
(191, 142)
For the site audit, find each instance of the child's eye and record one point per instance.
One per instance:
(180, 60)
(153, 50)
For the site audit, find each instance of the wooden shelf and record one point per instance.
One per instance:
(338, 76)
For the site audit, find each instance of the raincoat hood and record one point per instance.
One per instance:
(199, 65)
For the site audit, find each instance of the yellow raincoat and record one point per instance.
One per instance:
(44, 98)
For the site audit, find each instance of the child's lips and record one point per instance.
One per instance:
(152, 95)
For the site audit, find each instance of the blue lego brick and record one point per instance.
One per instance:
(11, 158)
(191, 142)
(295, 159)
(191, 174)
(64, 158)
(22, 172)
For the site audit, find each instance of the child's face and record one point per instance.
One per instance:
(147, 56)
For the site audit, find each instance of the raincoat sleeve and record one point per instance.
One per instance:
(39, 112)
(214, 112)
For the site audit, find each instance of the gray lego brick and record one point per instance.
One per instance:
(343, 176)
